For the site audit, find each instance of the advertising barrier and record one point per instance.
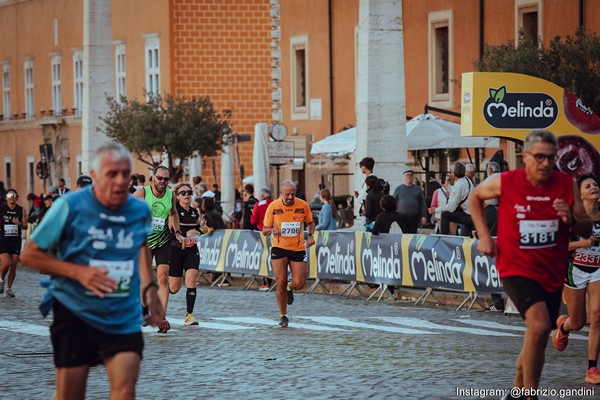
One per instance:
(419, 261)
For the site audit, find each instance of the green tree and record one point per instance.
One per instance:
(170, 127)
(572, 63)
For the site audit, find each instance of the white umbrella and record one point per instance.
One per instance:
(338, 145)
(227, 183)
(260, 158)
(428, 132)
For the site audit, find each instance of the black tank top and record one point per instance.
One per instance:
(11, 231)
(188, 219)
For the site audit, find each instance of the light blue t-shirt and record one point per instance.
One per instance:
(326, 220)
(88, 233)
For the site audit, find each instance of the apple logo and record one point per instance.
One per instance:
(576, 155)
(579, 115)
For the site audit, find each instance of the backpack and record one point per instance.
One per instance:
(384, 186)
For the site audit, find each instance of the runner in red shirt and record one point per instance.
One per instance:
(257, 218)
(535, 212)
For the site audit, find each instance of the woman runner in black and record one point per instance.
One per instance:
(185, 256)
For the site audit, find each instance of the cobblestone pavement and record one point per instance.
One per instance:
(335, 348)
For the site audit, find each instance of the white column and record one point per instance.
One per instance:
(98, 75)
(380, 92)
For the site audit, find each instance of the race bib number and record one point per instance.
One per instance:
(290, 229)
(120, 271)
(158, 224)
(586, 258)
(538, 234)
(11, 230)
(190, 241)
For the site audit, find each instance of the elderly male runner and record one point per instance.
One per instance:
(537, 205)
(285, 219)
(162, 204)
(103, 260)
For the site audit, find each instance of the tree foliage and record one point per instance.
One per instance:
(572, 63)
(170, 127)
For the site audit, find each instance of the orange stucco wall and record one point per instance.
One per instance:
(222, 49)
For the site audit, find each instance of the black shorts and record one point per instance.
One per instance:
(185, 259)
(10, 247)
(295, 256)
(525, 292)
(76, 343)
(162, 254)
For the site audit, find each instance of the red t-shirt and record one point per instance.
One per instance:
(532, 239)
(258, 213)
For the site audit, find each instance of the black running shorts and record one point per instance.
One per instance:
(185, 259)
(525, 292)
(162, 254)
(295, 256)
(10, 247)
(76, 343)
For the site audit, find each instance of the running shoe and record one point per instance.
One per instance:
(559, 339)
(284, 321)
(290, 297)
(145, 314)
(164, 326)
(190, 320)
(1, 287)
(593, 376)
(9, 293)
(264, 287)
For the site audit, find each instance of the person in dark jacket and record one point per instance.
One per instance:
(384, 220)
(372, 207)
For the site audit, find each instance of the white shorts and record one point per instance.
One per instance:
(581, 277)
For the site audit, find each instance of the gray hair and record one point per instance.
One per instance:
(470, 168)
(265, 192)
(459, 169)
(539, 135)
(493, 166)
(116, 150)
(289, 183)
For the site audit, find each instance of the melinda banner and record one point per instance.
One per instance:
(511, 105)
(424, 261)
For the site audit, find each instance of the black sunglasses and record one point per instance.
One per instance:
(540, 157)
(184, 192)
(162, 178)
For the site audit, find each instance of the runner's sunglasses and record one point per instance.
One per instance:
(185, 192)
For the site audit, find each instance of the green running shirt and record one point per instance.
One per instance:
(160, 207)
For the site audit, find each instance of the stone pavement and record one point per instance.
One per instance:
(335, 348)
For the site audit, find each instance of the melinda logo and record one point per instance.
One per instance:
(505, 110)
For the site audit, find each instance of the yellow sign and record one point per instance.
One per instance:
(511, 105)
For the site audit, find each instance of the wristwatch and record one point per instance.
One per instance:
(310, 234)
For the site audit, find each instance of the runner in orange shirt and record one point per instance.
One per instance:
(285, 219)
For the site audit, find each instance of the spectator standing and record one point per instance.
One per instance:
(141, 179)
(249, 203)
(328, 213)
(470, 170)
(13, 220)
(410, 203)
(439, 199)
(384, 220)
(537, 205)
(83, 181)
(457, 209)
(265, 197)
(372, 208)
(61, 188)
(299, 193)
(48, 201)
(217, 193)
(366, 167)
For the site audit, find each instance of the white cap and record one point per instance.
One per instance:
(208, 193)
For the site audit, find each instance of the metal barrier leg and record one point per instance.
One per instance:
(380, 287)
(469, 297)
(273, 286)
(385, 292)
(249, 283)
(203, 275)
(314, 286)
(425, 296)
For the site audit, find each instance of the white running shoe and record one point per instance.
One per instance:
(190, 320)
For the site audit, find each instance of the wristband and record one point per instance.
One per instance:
(147, 287)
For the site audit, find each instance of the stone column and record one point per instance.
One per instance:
(380, 96)
(98, 75)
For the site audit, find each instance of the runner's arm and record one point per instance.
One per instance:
(175, 220)
(149, 288)
(92, 278)
(579, 219)
(488, 189)
(23, 220)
